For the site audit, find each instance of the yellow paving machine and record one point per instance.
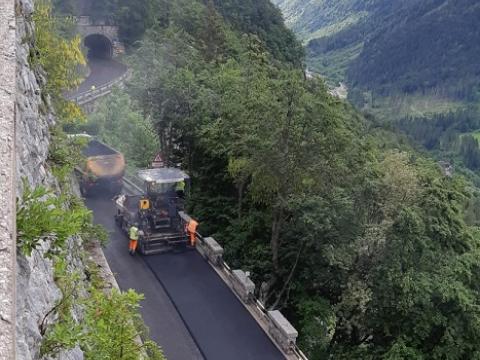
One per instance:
(155, 211)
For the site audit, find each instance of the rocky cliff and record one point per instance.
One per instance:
(37, 292)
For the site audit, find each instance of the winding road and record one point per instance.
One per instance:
(190, 311)
(102, 71)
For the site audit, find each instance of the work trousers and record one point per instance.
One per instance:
(192, 238)
(133, 245)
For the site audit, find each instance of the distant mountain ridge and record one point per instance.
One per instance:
(392, 47)
(306, 17)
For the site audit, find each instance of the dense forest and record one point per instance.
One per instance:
(363, 244)
(254, 17)
(409, 64)
(427, 45)
(387, 47)
(452, 136)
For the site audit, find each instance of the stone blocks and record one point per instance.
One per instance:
(282, 331)
(243, 286)
(213, 251)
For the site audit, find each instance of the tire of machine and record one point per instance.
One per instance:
(119, 220)
(141, 246)
(123, 225)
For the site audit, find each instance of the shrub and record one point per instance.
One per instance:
(43, 215)
(111, 326)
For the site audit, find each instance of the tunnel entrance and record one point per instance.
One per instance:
(99, 47)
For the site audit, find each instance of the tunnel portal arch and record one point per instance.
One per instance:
(99, 46)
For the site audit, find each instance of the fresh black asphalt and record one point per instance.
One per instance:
(190, 311)
(221, 325)
(166, 326)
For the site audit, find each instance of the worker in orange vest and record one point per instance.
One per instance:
(191, 229)
(133, 234)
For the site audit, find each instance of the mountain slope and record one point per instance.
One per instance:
(315, 18)
(261, 18)
(426, 45)
(392, 48)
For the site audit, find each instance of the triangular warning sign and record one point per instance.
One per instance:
(158, 161)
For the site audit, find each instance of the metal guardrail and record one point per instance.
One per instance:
(132, 185)
(105, 89)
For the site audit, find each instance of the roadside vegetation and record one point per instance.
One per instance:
(111, 326)
(58, 57)
(119, 122)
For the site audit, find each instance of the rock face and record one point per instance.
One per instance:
(7, 178)
(37, 292)
(32, 127)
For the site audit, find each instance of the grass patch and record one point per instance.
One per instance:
(476, 135)
(397, 107)
(333, 65)
(332, 29)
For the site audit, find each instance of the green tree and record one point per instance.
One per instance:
(58, 57)
(117, 123)
(111, 325)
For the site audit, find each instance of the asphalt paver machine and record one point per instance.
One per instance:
(156, 211)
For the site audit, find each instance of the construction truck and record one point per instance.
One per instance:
(156, 210)
(103, 168)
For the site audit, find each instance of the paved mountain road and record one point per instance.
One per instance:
(222, 326)
(166, 326)
(190, 311)
(102, 71)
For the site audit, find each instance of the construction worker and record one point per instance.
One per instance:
(133, 234)
(93, 88)
(191, 229)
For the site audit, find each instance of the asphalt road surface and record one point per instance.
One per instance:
(190, 311)
(102, 71)
(166, 326)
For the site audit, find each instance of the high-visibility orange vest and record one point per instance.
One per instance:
(192, 226)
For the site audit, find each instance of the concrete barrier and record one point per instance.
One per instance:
(282, 331)
(243, 286)
(213, 251)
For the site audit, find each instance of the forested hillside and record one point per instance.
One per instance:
(392, 48)
(313, 18)
(427, 45)
(260, 17)
(364, 244)
(134, 17)
(411, 63)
